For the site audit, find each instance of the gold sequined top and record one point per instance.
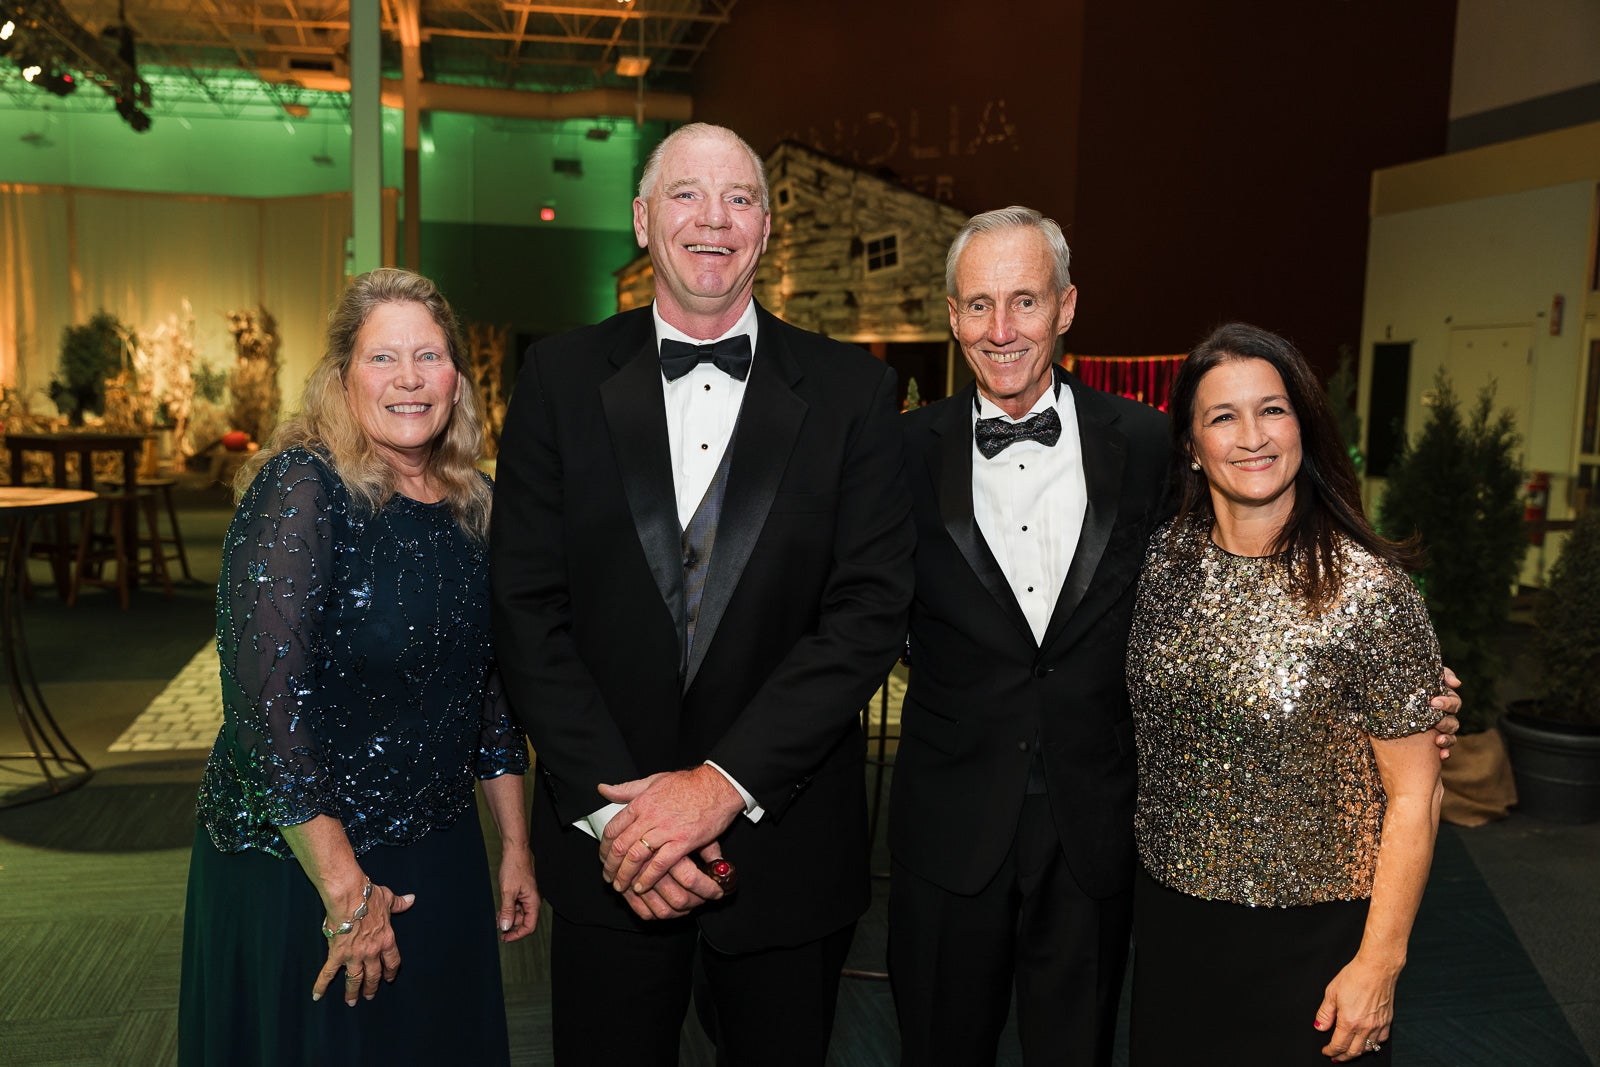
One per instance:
(1257, 782)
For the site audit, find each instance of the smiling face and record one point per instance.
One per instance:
(706, 228)
(1246, 438)
(1007, 314)
(401, 384)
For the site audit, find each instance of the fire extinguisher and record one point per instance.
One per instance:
(1538, 500)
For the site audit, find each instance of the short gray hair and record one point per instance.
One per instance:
(652, 166)
(1011, 218)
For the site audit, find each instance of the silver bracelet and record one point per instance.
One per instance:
(361, 913)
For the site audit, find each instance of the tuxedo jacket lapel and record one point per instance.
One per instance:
(769, 422)
(950, 464)
(636, 419)
(1105, 453)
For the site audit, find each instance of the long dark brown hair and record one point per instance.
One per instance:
(1327, 496)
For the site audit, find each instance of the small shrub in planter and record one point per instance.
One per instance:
(1555, 741)
(91, 352)
(1459, 486)
(1569, 628)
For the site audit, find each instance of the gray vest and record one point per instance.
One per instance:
(698, 540)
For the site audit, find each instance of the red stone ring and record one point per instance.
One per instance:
(721, 872)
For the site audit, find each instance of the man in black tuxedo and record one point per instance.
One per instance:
(1011, 816)
(702, 565)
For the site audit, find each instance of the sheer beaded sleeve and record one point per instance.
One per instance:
(502, 746)
(356, 656)
(270, 604)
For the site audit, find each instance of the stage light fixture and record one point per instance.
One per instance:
(120, 36)
(59, 82)
(65, 53)
(47, 74)
(139, 120)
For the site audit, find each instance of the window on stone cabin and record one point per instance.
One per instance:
(882, 253)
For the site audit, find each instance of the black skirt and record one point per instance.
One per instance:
(1216, 982)
(252, 949)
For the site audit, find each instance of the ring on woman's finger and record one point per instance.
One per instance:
(353, 976)
(1373, 1046)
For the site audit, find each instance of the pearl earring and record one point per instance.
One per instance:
(1194, 464)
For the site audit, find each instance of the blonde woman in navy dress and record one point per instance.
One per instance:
(1281, 666)
(338, 828)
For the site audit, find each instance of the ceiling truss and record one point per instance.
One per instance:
(208, 56)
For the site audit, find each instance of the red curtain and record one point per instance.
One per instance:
(1147, 379)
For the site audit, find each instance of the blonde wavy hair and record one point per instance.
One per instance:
(327, 424)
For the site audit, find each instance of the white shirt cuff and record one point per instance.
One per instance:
(752, 810)
(594, 823)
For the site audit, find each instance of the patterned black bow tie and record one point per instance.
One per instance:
(731, 355)
(994, 435)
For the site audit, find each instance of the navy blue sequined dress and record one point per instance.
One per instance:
(356, 665)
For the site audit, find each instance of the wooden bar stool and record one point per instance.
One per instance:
(168, 544)
(97, 549)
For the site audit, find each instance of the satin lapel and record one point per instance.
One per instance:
(636, 417)
(769, 422)
(1105, 452)
(951, 463)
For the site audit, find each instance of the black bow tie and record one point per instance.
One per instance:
(731, 355)
(994, 435)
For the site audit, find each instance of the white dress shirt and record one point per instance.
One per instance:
(1029, 502)
(702, 411)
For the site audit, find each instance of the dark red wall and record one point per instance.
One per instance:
(1226, 151)
(1208, 161)
(957, 101)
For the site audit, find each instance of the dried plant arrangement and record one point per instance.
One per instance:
(208, 413)
(130, 405)
(486, 349)
(254, 381)
(17, 414)
(171, 380)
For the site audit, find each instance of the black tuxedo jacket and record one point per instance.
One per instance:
(982, 688)
(803, 612)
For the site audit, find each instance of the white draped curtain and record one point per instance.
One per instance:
(68, 252)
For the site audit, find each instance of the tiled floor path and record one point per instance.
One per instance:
(188, 712)
(185, 715)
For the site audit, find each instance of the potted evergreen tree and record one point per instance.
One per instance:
(1458, 485)
(1555, 741)
(90, 353)
(1341, 390)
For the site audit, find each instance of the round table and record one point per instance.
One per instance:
(47, 747)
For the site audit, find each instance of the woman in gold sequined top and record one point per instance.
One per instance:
(1281, 667)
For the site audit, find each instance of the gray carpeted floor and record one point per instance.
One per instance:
(1505, 965)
